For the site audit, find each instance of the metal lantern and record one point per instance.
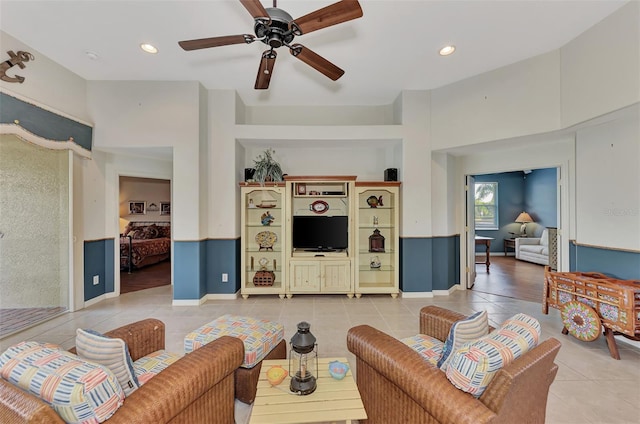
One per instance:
(303, 361)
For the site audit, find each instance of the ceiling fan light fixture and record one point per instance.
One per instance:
(447, 50)
(149, 48)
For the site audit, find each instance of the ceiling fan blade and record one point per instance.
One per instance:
(333, 14)
(265, 70)
(205, 43)
(256, 9)
(316, 61)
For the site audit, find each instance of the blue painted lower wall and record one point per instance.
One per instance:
(199, 265)
(98, 260)
(429, 263)
(614, 263)
(426, 264)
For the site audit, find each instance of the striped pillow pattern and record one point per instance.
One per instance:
(474, 364)
(259, 336)
(79, 391)
(113, 353)
(428, 347)
(148, 366)
(464, 331)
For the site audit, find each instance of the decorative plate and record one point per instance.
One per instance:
(319, 206)
(581, 321)
(266, 239)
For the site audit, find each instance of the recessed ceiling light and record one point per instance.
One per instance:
(149, 48)
(447, 50)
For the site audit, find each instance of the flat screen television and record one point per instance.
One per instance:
(320, 233)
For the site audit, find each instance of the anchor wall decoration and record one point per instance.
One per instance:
(14, 59)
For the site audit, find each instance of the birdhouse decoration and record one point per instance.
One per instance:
(376, 241)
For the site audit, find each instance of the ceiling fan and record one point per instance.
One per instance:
(276, 28)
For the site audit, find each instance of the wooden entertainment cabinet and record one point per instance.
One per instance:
(270, 263)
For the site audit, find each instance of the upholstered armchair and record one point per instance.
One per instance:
(398, 385)
(197, 388)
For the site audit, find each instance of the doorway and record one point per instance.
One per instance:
(144, 210)
(536, 191)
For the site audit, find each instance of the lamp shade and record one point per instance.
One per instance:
(523, 218)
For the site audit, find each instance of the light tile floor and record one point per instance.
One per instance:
(591, 387)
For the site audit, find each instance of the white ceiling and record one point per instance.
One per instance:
(393, 47)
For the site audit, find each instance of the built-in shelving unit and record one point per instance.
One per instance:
(362, 265)
(263, 239)
(377, 238)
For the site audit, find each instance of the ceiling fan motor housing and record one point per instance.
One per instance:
(276, 33)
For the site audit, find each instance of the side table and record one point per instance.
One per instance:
(509, 243)
(333, 400)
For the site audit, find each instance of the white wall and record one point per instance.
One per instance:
(516, 100)
(155, 114)
(46, 82)
(608, 175)
(319, 115)
(601, 67)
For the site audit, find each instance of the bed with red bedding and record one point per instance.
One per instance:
(145, 244)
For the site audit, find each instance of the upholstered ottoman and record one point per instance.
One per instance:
(262, 339)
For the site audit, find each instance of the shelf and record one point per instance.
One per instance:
(264, 226)
(367, 268)
(373, 227)
(366, 252)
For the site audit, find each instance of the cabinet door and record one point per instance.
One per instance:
(304, 276)
(336, 276)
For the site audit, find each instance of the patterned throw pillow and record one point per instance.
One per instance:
(79, 391)
(473, 365)
(150, 232)
(112, 353)
(464, 331)
(148, 366)
(429, 347)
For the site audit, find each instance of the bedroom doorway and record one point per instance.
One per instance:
(145, 233)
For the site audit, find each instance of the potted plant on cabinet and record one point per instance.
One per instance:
(267, 169)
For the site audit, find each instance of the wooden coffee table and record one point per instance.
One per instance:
(333, 400)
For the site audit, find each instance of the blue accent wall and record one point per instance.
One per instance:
(223, 256)
(188, 270)
(98, 260)
(429, 263)
(43, 123)
(535, 193)
(540, 197)
(614, 263)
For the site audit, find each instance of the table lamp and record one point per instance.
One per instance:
(523, 218)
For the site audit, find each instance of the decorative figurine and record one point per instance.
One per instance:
(374, 201)
(374, 262)
(266, 218)
(375, 220)
(18, 60)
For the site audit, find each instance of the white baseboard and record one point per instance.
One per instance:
(95, 300)
(189, 302)
(222, 296)
(422, 295)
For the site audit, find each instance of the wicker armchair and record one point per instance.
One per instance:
(398, 386)
(198, 388)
